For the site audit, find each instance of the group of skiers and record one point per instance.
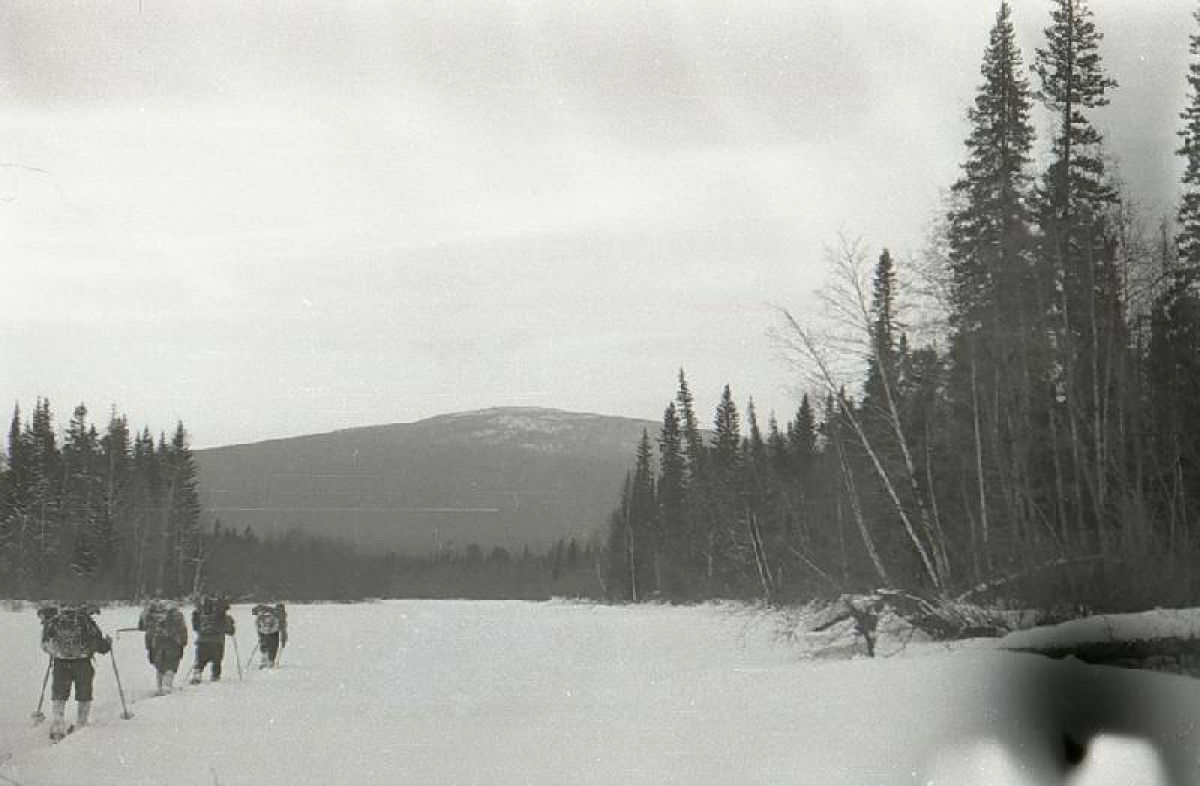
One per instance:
(72, 638)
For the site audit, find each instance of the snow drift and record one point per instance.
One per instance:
(514, 692)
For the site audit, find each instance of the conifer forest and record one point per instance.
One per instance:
(1010, 415)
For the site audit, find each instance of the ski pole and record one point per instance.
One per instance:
(253, 652)
(39, 716)
(125, 713)
(237, 656)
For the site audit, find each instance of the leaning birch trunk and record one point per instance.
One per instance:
(940, 545)
(826, 376)
(198, 577)
(760, 557)
(852, 304)
(852, 495)
(982, 487)
(931, 569)
(938, 570)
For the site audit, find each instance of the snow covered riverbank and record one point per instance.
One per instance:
(510, 692)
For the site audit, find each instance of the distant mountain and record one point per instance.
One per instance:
(497, 477)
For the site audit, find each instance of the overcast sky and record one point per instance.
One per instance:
(278, 218)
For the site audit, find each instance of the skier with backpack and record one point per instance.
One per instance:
(271, 623)
(212, 623)
(71, 637)
(166, 637)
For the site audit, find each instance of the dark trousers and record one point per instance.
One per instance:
(164, 653)
(210, 652)
(72, 671)
(269, 644)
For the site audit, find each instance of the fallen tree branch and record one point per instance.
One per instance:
(865, 611)
(1010, 578)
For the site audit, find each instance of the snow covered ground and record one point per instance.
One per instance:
(509, 692)
(1143, 626)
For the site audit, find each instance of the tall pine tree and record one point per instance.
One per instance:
(1076, 199)
(998, 353)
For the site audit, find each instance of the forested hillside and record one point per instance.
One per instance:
(508, 477)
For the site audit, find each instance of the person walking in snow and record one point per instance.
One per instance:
(166, 637)
(271, 623)
(71, 637)
(212, 623)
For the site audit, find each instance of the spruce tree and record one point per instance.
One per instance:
(145, 516)
(726, 504)
(802, 451)
(777, 447)
(81, 505)
(726, 439)
(672, 505)
(45, 495)
(1173, 367)
(1173, 359)
(16, 543)
(1079, 249)
(693, 443)
(802, 437)
(183, 510)
(885, 436)
(883, 357)
(116, 470)
(1188, 240)
(989, 228)
(998, 356)
(1075, 188)
(698, 503)
(621, 583)
(643, 521)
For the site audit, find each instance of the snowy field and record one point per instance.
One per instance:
(529, 693)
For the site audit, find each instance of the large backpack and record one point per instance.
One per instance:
(212, 617)
(157, 620)
(67, 635)
(267, 621)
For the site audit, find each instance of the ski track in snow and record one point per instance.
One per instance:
(462, 692)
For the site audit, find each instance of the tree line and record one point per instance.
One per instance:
(99, 515)
(299, 566)
(117, 516)
(1040, 441)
